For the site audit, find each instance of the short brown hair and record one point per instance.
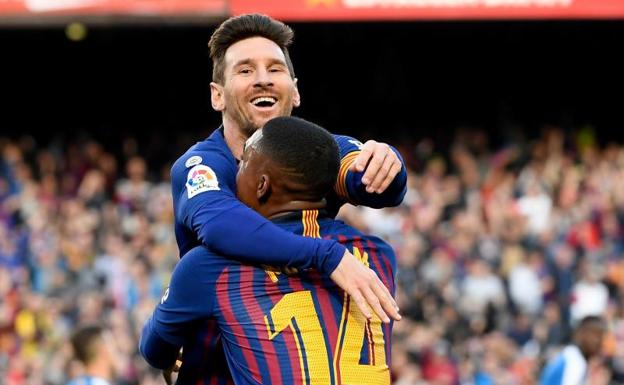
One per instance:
(243, 27)
(85, 343)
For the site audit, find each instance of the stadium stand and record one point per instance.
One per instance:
(500, 251)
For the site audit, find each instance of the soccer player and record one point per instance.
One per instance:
(253, 81)
(570, 366)
(94, 352)
(277, 326)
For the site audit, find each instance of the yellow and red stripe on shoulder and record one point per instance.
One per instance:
(345, 165)
(311, 226)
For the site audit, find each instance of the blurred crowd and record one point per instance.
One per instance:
(500, 252)
(501, 249)
(85, 237)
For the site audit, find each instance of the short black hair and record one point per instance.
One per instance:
(84, 342)
(307, 152)
(242, 27)
(591, 320)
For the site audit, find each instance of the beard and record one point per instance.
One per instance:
(244, 117)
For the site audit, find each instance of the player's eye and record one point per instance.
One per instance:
(244, 71)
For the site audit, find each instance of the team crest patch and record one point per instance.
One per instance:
(200, 179)
(192, 161)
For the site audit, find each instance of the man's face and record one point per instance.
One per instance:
(249, 173)
(257, 84)
(590, 339)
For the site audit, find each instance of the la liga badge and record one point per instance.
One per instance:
(200, 179)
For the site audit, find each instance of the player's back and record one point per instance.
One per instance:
(282, 327)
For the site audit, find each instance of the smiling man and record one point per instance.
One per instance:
(253, 81)
(277, 326)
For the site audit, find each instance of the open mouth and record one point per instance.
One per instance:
(264, 101)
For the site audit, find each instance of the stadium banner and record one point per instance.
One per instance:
(116, 7)
(338, 10)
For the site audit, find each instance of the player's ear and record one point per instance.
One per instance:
(216, 96)
(264, 188)
(296, 95)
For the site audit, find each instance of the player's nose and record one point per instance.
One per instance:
(263, 78)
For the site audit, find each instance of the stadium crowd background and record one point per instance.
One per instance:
(501, 248)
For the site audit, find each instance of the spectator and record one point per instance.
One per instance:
(489, 283)
(590, 296)
(571, 365)
(92, 349)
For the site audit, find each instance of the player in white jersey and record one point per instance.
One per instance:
(569, 367)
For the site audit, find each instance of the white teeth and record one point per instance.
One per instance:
(267, 99)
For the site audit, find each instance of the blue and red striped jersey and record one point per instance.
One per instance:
(276, 326)
(203, 183)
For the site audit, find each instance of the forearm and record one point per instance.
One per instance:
(156, 351)
(239, 233)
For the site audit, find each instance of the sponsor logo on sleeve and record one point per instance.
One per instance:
(193, 161)
(200, 179)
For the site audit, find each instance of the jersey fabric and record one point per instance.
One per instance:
(567, 368)
(277, 326)
(207, 211)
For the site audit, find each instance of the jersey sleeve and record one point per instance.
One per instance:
(205, 202)
(189, 298)
(349, 186)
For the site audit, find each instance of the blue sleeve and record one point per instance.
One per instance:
(349, 186)
(205, 201)
(189, 298)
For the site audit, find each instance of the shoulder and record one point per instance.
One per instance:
(573, 356)
(375, 247)
(208, 165)
(208, 152)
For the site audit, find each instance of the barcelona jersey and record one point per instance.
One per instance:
(207, 212)
(276, 325)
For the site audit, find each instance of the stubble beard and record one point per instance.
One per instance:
(245, 122)
(248, 126)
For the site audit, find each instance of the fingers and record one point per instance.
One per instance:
(394, 171)
(374, 303)
(364, 156)
(361, 303)
(387, 302)
(388, 170)
(374, 165)
(365, 289)
(381, 164)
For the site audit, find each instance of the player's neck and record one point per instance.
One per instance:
(234, 137)
(277, 210)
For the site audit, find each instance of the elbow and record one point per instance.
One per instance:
(145, 353)
(153, 349)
